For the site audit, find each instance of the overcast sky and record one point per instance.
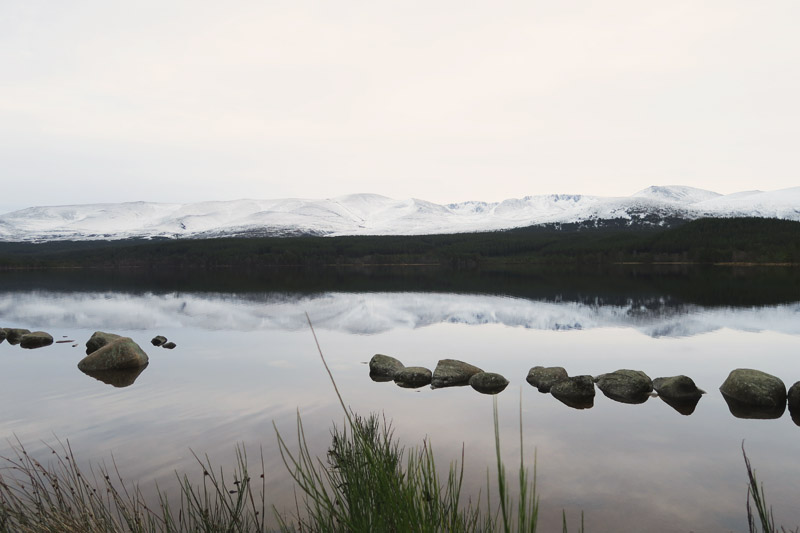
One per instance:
(182, 101)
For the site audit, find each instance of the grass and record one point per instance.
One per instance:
(366, 483)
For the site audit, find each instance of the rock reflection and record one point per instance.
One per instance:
(683, 406)
(116, 378)
(745, 410)
(577, 403)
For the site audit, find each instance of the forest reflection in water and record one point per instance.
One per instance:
(245, 358)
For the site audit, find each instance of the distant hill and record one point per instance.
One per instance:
(370, 214)
(740, 240)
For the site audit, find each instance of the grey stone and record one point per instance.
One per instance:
(488, 382)
(577, 392)
(413, 377)
(37, 339)
(545, 377)
(678, 388)
(754, 388)
(451, 373)
(384, 367)
(158, 340)
(120, 353)
(14, 335)
(169, 345)
(794, 402)
(626, 386)
(98, 340)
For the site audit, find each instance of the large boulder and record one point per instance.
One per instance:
(98, 340)
(120, 353)
(14, 335)
(545, 377)
(488, 382)
(576, 392)
(413, 377)
(754, 388)
(626, 386)
(36, 339)
(451, 373)
(384, 367)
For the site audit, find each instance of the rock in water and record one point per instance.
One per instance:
(2, 335)
(794, 402)
(98, 340)
(488, 382)
(451, 372)
(545, 377)
(37, 339)
(576, 392)
(678, 388)
(158, 340)
(384, 367)
(754, 388)
(14, 335)
(168, 345)
(626, 386)
(413, 377)
(118, 354)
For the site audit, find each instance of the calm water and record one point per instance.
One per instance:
(246, 359)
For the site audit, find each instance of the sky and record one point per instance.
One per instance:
(194, 100)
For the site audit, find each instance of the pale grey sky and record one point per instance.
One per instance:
(190, 100)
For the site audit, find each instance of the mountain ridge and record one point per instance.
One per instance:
(374, 214)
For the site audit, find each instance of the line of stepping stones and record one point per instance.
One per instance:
(749, 393)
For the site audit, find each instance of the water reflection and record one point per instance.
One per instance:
(750, 411)
(684, 407)
(375, 313)
(116, 378)
(247, 359)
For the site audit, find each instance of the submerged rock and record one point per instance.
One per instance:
(626, 386)
(413, 377)
(545, 377)
(451, 373)
(384, 367)
(754, 388)
(116, 378)
(14, 335)
(158, 340)
(98, 340)
(576, 392)
(37, 339)
(120, 353)
(488, 382)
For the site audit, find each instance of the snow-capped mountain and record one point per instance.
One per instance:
(371, 214)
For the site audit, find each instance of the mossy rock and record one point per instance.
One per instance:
(120, 353)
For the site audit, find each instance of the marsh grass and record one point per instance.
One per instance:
(755, 493)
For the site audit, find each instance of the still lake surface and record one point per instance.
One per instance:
(245, 360)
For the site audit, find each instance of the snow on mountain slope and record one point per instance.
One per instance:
(676, 193)
(372, 214)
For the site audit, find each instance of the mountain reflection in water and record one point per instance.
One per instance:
(245, 359)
